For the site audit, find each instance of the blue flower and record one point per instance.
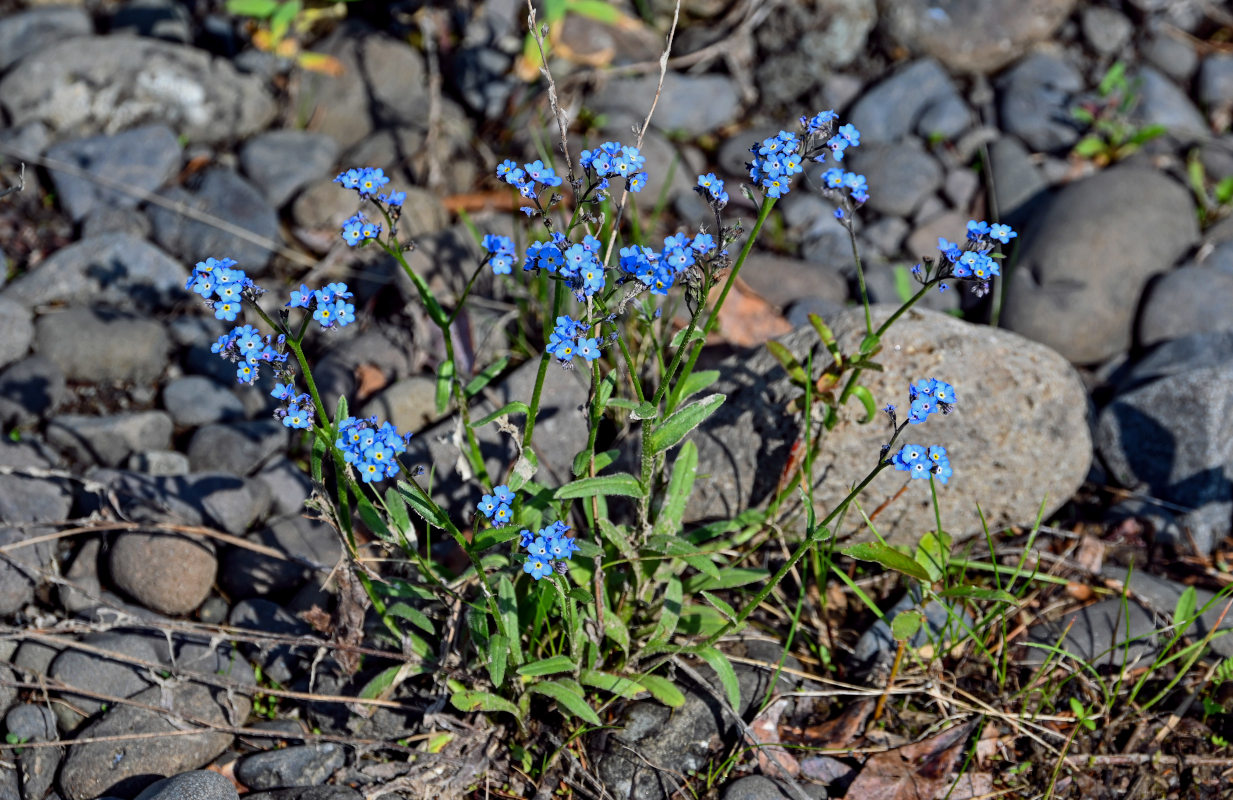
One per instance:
(537, 568)
(297, 417)
(1003, 233)
(371, 180)
(497, 244)
(977, 230)
(300, 297)
(503, 494)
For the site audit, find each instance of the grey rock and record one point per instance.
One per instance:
(895, 106)
(28, 499)
(304, 765)
(281, 163)
(689, 104)
(887, 235)
(224, 194)
(900, 176)
(1161, 596)
(158, 462)
(783, 281)
(83, 593)
(37, 765)
(893, 284)
(482, 75)
(1215, 83)
(195, 785)
(973, 35)
(111, 439)
(1083, 265)
(98, 674)
(160, 19)
(960, 187)
(1031, 401)
(126, 767)
(1161, 102)
(1105, 29)
(16, 330)
(760, 787)
(195, 400)
(233, 504)
(30, 388)
(33, 659)
(246, 573)
(282, 663)
(238, 448)
(289, 486)
(1173, 438)
(114, 219)
(1220, 258)
(409, 404)
(945, 119)
(1185, 301)
(139, 560)
(1036, 97)
(142, 80)
(81, 342)
(1099, 634)
(115, 269)
(1171, 52)
(38, 28)
(1176, 357)
(140, 159)
(227, 501)
(1019, 185)
(943, 624)
(824, 36)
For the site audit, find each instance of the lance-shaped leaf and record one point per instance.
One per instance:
(683, 420)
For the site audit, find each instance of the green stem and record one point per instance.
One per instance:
(465, 293)
(860, 276)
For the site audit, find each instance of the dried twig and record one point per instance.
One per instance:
(21, 182)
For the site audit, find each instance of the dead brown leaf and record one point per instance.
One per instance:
(915, 771)
(369, 379)
(841, 732)
(318, 619)
(1090, 554)
(747, 320)
(772, 759)
(349, 629)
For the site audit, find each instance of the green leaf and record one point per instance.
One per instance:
(569, 700)
(1082, 115)
(1089, 146)
(554, 10)
(613, 684)
(598, 10)
(261, 9)
(670, 611)
(644, 410)
(491, 537)
(1187, 602)
(679, 338)
(870, 345)
(905, 284)
(729, 578)
(866, 398)
(603, 392)
(699, 620)
(471, 700)
(720, 605)
(980, 593)
(615, 629)
(372, 519)
(931, 554)
(602, 461)
(727, 675)
(509, 408)
(280, 20)
(1114, 77)
(318, 458)
(507, 605)
(697, 381)
(383, 680)
(662, 689)
(398, 513)
(445, 374)
(888, 557)
(429, 511)
(828, 338)
(788, 361)
(498, 653)
(413, 615)
(905, 624)
(683, 420)
(477, 384)
(580, 595)
(622, 483)
(680, 485)
(1224, 190)
(547, 666)
(1146, 134)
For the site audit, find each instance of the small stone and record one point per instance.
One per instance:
(280, 163)
(160, 19)
(303, 765)
(30, 388)
(289, 486)
(1216, 81)
(109, 440)
(82, 343)
(900, 176)
(158, 462)
(139, 567)
(1162, 102)
(1020, 186)
(282, 663)
(247, 573)
(1171, 52)
(194, 400)
(1109, 632)
(238, 448)
(960, 187)
(689, 104)
(1036, 97)
(408, 405)
(1183, 301)
(894, 107)
(103, 220)
(232, 503)
(16, 330)
(1105, 29)
(224, 194)
(141, 159)
(100, 675)
(38, 28)
(195, 785)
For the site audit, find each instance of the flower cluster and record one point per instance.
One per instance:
(614, 160)
(776, 159)
(927, 396)
(569, 339)
(779, 157)
(712, 189)
(358, 230)
(973, 260)
(501, 254)
(547, 549)
(496, 506)
(372, 448)
(529, 177)
(921, 462)
(367, 182)
(244, 346)
(839, 179)
(222, 286)
(329, 305)
(296, 410)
